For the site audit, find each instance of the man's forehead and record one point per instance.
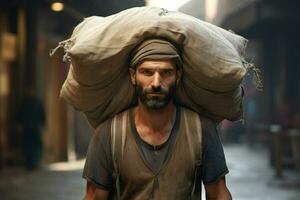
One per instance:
(163, 64)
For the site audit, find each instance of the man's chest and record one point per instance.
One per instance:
(154, 138)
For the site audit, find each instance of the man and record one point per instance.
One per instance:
(165, 150)
(31, 118)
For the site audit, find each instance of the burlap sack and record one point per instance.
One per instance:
(98, 81)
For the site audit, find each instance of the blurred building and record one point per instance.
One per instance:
(196, 8)
(28, 30)
(274, 25)
(273, 28)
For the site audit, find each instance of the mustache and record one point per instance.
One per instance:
(156, 90)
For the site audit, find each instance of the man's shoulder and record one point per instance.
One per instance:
(105, 126)
(204, 119)
(102, 132)
(207, 122)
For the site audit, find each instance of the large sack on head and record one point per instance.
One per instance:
(98, 82)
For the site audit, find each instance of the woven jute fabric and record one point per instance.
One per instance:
(99, 49)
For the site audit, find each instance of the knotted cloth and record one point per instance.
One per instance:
(155, 49)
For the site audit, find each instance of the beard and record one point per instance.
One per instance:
(160, 100)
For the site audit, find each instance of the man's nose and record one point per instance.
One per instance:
(156, 82)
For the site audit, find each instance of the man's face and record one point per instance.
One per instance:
(155, 82)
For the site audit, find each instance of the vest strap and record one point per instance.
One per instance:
(193, 125)
(118, 126)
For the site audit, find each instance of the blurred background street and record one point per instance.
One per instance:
(43, 159)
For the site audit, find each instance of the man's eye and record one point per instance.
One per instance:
(168, 73)
(147, 72)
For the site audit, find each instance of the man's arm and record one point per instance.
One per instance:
(94, 193)
(98, 166)
(217, 190)
(214, 166)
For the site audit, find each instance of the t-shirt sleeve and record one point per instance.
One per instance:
(213, 159)
(98, 165)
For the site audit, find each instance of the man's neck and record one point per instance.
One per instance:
(157, 120)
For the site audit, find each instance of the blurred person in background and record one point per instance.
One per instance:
(31, 118)
(296, 120)
(285, 113)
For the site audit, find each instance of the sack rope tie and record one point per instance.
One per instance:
(256, 72)
(66, 45)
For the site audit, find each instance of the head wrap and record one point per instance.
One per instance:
(155, 49)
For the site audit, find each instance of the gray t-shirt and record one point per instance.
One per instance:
(99, 166)
(155, 155)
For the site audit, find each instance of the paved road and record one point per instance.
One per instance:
(56, 182)
(250, 178)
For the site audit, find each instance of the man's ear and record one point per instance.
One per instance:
(132, 75)
(178, 75)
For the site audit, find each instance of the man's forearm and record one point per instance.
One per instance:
(223, 196)
(217, 191)
(93, 193)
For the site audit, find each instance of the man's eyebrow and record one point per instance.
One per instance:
(146, 68)
(154, 67)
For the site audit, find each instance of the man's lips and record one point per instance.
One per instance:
(156, 94)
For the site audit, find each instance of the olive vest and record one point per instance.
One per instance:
(178, 176)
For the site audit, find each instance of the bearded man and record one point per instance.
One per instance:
(157, 149)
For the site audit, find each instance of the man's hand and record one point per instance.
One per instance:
(217, 191)
(94, 193)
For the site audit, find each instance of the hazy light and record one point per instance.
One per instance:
(66, 166)
(171, 5)
(4, 85)
(211, 7)
(57, 6)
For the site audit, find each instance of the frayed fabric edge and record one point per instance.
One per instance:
(257, 78)
(66, 45)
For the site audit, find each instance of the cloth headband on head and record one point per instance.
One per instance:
(155, 49)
